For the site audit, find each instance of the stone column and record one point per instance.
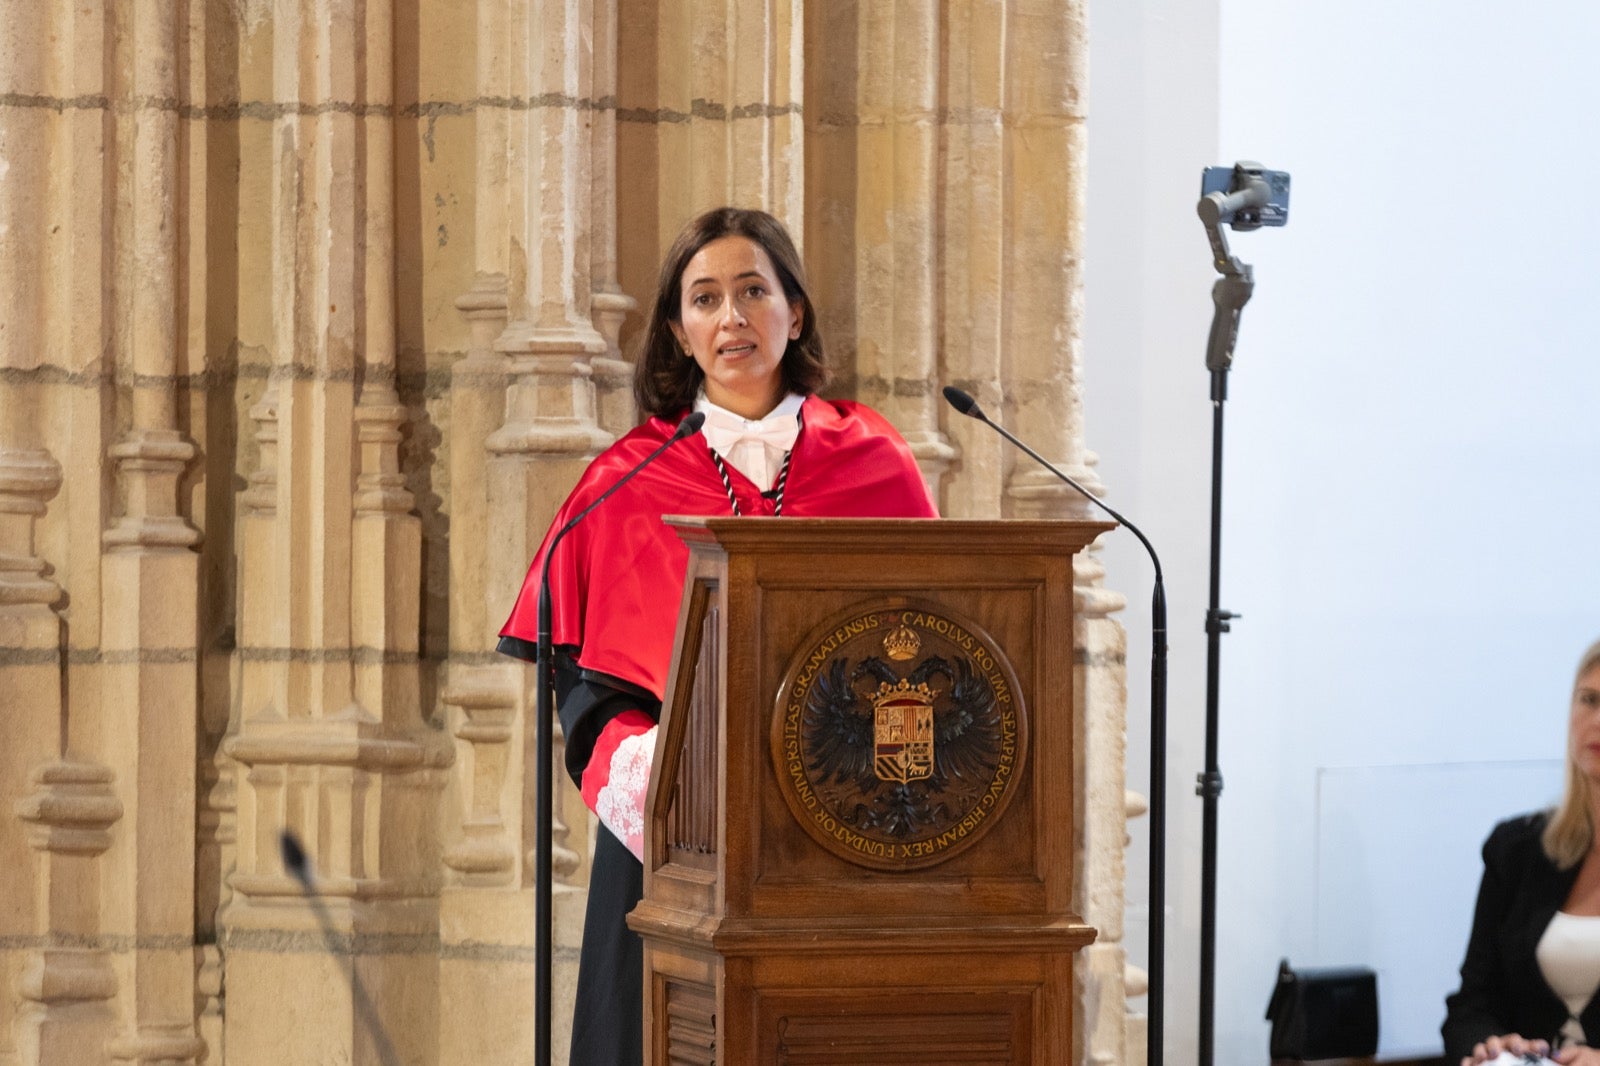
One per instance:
(550, 431)
(485, 922)
(973, 256)
(481, 688)
(331, 732)
(709, 109)
(209, 156)
(1042, 187)
(56, 978)
(874, 192)
(70, 977)
(149, 574)
(729, 83)
(613, 374)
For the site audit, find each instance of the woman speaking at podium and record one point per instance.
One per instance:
(732, 333)
(1529, 980)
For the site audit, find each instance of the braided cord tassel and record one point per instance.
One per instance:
(783, 480)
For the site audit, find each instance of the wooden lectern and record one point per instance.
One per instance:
(859, 845)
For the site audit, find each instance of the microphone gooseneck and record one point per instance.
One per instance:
(298, 866)
(965, 404)
(688, 427)
(544, 668)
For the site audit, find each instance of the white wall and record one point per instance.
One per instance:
(1410, 504)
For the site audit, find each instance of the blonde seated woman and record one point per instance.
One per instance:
(1532, 968)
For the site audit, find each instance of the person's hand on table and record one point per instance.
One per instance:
(1516, 1044)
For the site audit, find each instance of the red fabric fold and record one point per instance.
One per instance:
(617, 578)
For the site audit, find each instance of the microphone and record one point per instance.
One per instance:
(544, 667)
(965, 404)
(299, 867)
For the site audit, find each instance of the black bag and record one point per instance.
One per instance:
(1324, 1014)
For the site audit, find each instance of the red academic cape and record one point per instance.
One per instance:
(616, 580)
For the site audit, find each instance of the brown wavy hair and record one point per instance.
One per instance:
(1570, 832)
(664, 379)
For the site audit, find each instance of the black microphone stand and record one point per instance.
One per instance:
(1229, 295)
(1158, 735)
(545, 679)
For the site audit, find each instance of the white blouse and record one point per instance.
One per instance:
(1569, 957)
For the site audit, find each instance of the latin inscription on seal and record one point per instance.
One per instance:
(899, 735)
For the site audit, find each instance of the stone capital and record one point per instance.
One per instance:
(71, 809)
(355, 740)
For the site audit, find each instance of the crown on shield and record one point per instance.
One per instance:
(904, 694)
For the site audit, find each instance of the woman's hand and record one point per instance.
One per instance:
(1578, 1056)
(1491, 1048)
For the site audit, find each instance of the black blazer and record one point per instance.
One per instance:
(1502, 989)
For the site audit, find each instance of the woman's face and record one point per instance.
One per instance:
(735, 321)
(1585, 726)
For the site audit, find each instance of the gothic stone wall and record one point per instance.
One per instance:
(310, 311)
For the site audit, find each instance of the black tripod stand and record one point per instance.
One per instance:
(1254, 198)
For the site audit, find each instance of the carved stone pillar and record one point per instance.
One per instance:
(59, 970)
(874, 193)
(331, 734)
(31, 664)
(550, 429)
(709, 113)
(149, 575)
(484, 929)
(613, 375)
(974, 302)
(31, 669)
(1043, 189)
(730, 78)
(71, 977)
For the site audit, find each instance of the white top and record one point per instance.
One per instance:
(1569, 957)
(754, 448)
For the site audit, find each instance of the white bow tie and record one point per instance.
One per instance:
(725, 430)
(754, 448)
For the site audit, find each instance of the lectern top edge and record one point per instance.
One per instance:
(970, 536)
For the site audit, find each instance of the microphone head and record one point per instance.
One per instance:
(294, 857)
(690, 425)
(964, 403)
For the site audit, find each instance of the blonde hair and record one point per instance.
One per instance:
(1570, 831)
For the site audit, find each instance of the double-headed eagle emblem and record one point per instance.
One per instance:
(910, 745)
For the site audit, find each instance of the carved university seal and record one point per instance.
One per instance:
(899, 735)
